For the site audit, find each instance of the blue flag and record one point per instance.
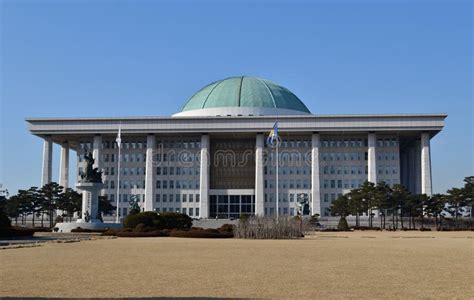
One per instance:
(273, 136)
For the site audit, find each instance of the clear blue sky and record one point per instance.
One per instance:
(60, 58)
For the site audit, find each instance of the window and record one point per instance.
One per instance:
(157, 198)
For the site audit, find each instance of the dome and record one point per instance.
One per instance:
(243, 96)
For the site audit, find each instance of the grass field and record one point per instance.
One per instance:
(324, 265)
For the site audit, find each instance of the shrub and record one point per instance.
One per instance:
(15, 231)
(141, 228)
(226, 228)
(85, 230)
(110, 232)
(425, 229)
(256, 227)
(171, 220)
(343, 226)
(329, 230)
(4, 220)
(366, 228)
(43, 229)
(147, 218)
(202, 234)
(154, 233)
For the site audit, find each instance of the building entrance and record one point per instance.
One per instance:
(231, 206)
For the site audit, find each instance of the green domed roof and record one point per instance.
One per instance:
(244, 91)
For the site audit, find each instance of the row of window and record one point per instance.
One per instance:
(346, 170)
(125, 184)
(283, 170)
(294, 144)
(351, 183)
(190, 144)
(182, 157)
(339, 183)
(177, 184)
(126, 197)
(288, 184)
(177, 198)
(357, 143)
(177, 171)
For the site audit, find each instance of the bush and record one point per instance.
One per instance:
(343, 226)
(425, 229)
(15, 231)
(154, 233)
(110, 232)
(256, 227)
(329, 230)
(202, 234)
(85, 230)
(149, 221)
(366, 228)
(43, 229)
(226, 228)
(171, 220)
(4, 220)
(147, 218)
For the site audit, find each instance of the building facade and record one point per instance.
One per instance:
(211, 160)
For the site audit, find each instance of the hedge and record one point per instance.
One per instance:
(155, 233)
(202, 234)
(15, 231)
(155, 221)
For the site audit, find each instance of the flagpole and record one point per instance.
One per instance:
(119, 145)
(277, 163)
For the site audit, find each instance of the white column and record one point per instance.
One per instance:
(425, 164)
(149, 173)
(47, 168)
(411, 170)
(64, 166)
(204, 178)
(259, 188)
(372, 158)
(418, 167)
(96, 150)
(315, 184)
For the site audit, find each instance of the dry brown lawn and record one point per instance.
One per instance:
(325, 265)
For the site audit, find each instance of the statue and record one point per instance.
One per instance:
(92, 174)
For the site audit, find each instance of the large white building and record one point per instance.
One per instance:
(211, 159)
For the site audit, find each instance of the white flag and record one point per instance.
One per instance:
(119, 139)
